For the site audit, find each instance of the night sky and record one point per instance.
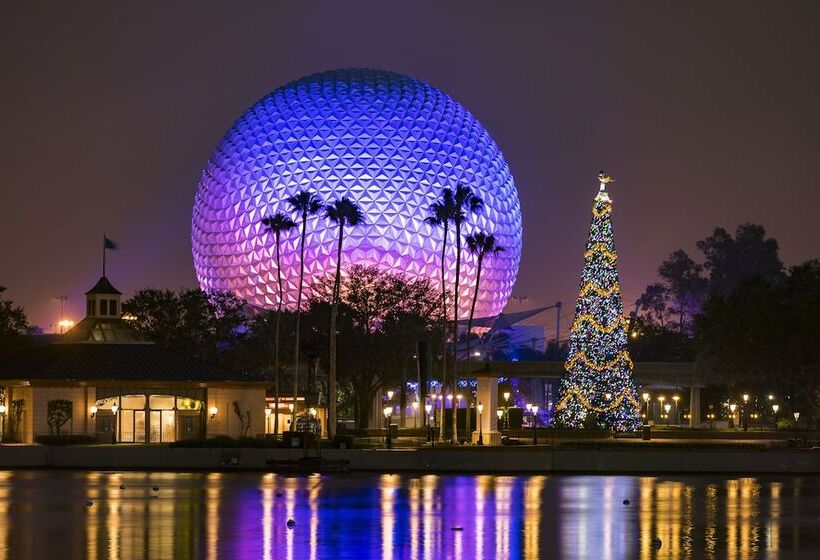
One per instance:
(706, 113)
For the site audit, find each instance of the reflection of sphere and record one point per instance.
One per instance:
(387, 141)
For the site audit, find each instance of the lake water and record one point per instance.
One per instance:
(44, 514)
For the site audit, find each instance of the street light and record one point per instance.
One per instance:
(390, 395)
(415, 405)
(676, 398)
(388, 412)
(506, 410)
(480, 408)
(114, 409)
(534, 409)
(744, 412)
(775, 408)
(667, 407)
(646, 400)
(2, 422)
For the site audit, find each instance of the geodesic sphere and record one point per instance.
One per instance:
(388, 142)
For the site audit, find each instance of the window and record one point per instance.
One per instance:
(161, 402)
(112, 306)
(132, 402)
(90, 308)
(103, 307)
(184, 403)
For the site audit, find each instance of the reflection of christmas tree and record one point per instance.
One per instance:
(598, 388)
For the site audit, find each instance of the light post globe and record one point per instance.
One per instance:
(388, 142)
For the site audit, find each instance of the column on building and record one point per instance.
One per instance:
(694, 407)
(487, 395)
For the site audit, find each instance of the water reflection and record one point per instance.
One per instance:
(219, 516)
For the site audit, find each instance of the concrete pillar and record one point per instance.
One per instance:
(487, 395)
(376, 419)
(694, 407)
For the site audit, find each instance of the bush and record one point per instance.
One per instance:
(225, 441)
(785, 424)
(65, 440)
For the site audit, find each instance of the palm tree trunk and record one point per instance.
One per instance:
(441, 431)
(331, 376)
(470, 328)
(298, 319)
(455, 329)
(276, 346)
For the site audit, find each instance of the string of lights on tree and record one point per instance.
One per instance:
(597, 389)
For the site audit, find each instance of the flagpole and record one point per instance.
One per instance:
(103, 254)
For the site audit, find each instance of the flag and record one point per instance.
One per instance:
(108, 244)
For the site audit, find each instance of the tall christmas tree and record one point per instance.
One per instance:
(597, 389)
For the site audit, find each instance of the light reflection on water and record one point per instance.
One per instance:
(217, 516)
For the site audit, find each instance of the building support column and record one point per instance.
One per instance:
(694, 407)
(487, 395)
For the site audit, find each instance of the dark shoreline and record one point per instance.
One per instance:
(444, 460)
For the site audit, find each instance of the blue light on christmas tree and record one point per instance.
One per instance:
(597, 389)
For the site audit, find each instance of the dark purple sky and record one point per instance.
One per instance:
(708, 113)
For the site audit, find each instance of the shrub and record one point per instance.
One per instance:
(65, 440)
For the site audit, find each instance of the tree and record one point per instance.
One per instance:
(342, 212)
(381, 316)
(685, 285)
(598, 388)
(480, 244)
(305, 204)
(13, 324)
(766, 334)
(58, 412)
(653, 303)
(730, 260)
(277, 224)
(453, 208)
(440, 215)
(204, 324)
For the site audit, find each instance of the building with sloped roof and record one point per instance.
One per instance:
(102, 378)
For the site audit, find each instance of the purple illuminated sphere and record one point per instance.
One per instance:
(387, 141)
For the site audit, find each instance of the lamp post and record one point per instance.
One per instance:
(507, 410)
(2, 422)
(646, 400)
(427, 418)
(415, 406)
(796, 419)
(114, 409)
(534, 409)
(480, 408)
(676, 398)
(732, 408)
(744, 412)
(667, 407)
(388, 412)
(661, 398)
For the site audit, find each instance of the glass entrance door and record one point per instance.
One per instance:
(132, 426)
(163, 426)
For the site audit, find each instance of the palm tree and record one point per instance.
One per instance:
(465, 201)
(342, 212)
(481, 245)
(305, 204)
(277, 224)
(441, 213)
